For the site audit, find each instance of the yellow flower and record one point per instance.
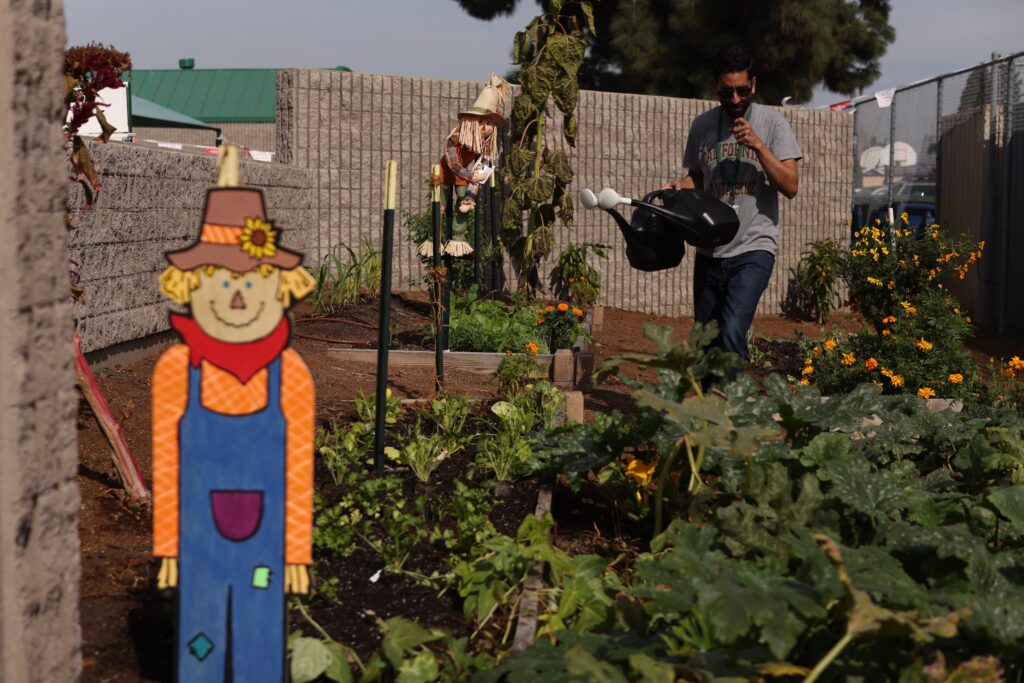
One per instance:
(563, 307)
(808, 370)
(924, 345)
(905, 218)
(955, 378)
(805, 381)
(531, 347)
(925, 392)
(896, 380)
(871, 364)
(887, 372)
(891, 286)
(577, 312)
(831, 344)
(848, 359)
(875, 281)
(257, 238)
(1016, 363)
(640, 471)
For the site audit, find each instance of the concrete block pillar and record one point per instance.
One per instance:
(40, 637)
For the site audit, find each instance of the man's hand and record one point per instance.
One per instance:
(480, 176)
(744, 134)
(686, 183)
(167, 577)
(296, 579)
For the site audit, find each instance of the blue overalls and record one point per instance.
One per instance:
(231, 545)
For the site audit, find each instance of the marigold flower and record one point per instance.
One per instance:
(886, 333)
(1009, 372)
(563, 307)
(925, 392)
(871, 364)
(807, 371)
(955, 378)
(577, 312)
(888, 319)
(848, 359)
(924, 345)
(816, 351)
(905, 217)
(1016, 363)
(540, 321)
(896, 380)
(531, 347)
(875, 281)
(805, 381)
(549, 308)
(831, 344)
(572, 280)
(887, 372)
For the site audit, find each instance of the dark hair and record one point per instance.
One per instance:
(733, 60)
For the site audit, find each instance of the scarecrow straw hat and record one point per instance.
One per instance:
(235, 235)
(488, 103)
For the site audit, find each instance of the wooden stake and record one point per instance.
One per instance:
(127, 469)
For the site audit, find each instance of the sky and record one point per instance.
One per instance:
(435, 38)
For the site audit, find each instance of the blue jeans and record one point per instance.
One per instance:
(727, 290)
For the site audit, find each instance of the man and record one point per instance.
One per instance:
(743, 154)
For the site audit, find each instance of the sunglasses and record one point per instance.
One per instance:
(741, 90)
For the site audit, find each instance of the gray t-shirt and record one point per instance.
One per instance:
(741, 183)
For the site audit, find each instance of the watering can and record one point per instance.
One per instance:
(656, 236)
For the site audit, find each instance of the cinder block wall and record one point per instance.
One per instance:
(151, 202)
(344, 126)
(40, 638)
(255, 135)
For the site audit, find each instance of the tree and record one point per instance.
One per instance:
(667, 47)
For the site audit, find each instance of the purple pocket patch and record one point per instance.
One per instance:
(237, 514)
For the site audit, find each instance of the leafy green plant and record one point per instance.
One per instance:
(490, 325)
(549, 53)
(342, 449)
(366, 408)
(461, 523)
(518, 415)
(550, 403)
(574, 278)
(507, 454)
(817, 280)
(423, 453)
(514, 371)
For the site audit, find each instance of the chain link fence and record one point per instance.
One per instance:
(950, 150)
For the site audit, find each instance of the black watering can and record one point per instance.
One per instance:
(657, 235)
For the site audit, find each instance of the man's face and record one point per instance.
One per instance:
(237, 308)
(735, 91)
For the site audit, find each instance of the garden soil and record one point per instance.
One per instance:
(126, 623)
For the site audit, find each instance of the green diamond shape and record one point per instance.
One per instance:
(261, 577)
(200, 646)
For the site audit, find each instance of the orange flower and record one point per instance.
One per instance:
(539, 311)
(886, 333)
(925, 392)
(540, 321)
(808, 370)
(563, 307)
(577, 312)
(888, 319)
(923, 345)
(816, 350)
(848, 359)
(896, 380)
(831, 344)
(531, 347)
(871, 364)
(887, 372)
(572, 280)
(805, 381)
(955, 378)
(549, 308)
(1016, 363)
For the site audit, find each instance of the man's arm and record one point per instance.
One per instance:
(783, 175)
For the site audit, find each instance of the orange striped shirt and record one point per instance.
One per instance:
(223, 393)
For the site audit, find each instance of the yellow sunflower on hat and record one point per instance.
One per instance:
(257, 238)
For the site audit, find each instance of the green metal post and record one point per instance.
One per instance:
(477, 210)
(435, 222)
(492, 205)
(384, 329)
(446, 290)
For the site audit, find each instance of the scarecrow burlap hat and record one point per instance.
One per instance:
(488, 103)
(235, 234)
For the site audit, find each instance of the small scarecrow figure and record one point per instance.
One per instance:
(233, 445)
(470, 156)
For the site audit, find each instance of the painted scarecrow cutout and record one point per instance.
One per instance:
(233, 445)
(470, 156)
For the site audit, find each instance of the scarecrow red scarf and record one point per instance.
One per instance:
(241, 360)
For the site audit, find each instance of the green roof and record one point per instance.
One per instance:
(146, 113)
(211, 95)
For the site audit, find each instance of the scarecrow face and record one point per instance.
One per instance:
(237, 308)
